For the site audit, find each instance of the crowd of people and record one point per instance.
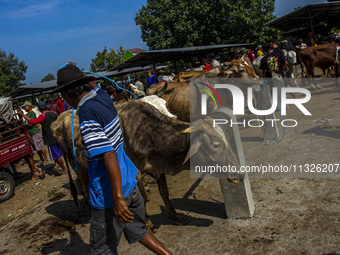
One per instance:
(38, 139)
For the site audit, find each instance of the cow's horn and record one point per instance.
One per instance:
(193, 150)
(191, 130)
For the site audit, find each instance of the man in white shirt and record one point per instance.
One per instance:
(212, 61)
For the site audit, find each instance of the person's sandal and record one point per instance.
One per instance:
(39, 164)
(43, 174)
(56, 171)
(61, 172)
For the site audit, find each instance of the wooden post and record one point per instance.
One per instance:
(238, 198)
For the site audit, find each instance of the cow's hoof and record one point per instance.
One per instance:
(312, 86)
(150, 227)
(318, 86)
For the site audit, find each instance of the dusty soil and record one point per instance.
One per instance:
(292, 215)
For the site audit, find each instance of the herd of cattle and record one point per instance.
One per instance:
(158, 142)
(322, 56)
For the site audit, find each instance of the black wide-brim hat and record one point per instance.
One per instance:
(70, 75)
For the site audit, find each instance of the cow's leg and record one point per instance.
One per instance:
(163, 190)
(310, 75)
(149, 226)
(316, 85)
(302, 66)
(337, 74)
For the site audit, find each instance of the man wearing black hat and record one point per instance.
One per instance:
(116, 203)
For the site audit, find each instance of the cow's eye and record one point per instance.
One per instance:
(217, 145)
(242, 71)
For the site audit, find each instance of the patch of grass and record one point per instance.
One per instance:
(52, 192)
(39, 201)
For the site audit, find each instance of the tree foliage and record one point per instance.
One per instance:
(12, 72)
(48, 77)
(106, 60)
(185, 23)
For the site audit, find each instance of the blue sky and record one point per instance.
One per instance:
(48, 33)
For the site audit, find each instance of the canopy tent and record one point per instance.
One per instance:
(160, 56)
(44, 87)
(36, 88)
(308, 18)
(143, 61)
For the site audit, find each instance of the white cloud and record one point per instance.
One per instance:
(33, 9)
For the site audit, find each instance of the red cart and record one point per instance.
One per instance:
(14, 145)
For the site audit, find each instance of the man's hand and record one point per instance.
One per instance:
(112, 167)
(122, 212)
(19, 111)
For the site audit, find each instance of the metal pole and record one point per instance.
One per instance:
(311, 21)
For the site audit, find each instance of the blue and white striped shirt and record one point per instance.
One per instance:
(101, 133)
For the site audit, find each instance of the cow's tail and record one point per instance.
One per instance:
(72, 185)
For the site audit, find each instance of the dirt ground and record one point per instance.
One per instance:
(292, 215)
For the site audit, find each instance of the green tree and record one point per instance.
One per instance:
(48, 77)
(106, 60)
(185, 23)
(12, 72)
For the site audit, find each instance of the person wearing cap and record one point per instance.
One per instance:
(139, 84)
(117, 205)
(285, 45)
(301, 45)
(35, 134)
(273, 63)
(272, 66)
(211, 60)
(299, 48)
(259, 52)
(45, 119)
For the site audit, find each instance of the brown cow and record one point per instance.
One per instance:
(322, 56)
(156, 144)
(182, 101)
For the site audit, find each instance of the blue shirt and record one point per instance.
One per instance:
(101, 133)
(152, 80)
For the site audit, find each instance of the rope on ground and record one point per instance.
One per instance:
(214, 198)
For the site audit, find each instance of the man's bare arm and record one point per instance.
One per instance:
(113, 170)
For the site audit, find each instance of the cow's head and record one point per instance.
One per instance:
(210, 146)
